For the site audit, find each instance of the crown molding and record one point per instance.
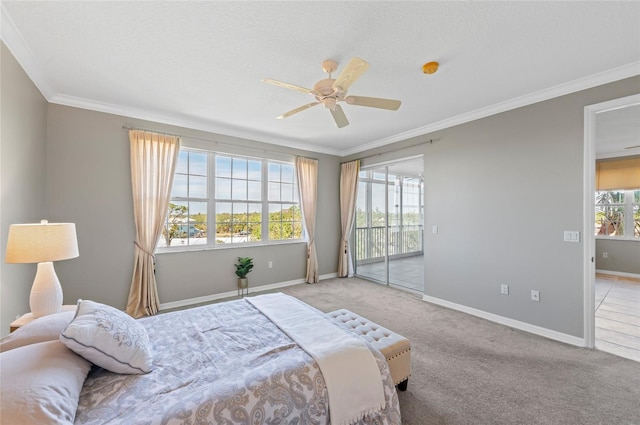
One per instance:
(16, 45)
(187, 122)
(594, 80)
(609, 76)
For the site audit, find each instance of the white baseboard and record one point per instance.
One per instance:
(229, 294)
(527, 327)
(614, 273)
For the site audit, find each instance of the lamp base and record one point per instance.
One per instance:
(46, 292)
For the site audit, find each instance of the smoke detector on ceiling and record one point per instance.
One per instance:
(430, 67)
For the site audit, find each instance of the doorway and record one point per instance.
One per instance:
(601, 297)
(388, 237)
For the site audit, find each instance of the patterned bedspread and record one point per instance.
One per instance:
(220, 364)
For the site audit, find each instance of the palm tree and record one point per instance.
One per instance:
(610, 212)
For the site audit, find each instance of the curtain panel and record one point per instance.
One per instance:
(153, 163)
(348, 195)
(307, 172)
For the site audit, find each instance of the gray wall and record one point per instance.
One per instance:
(623, 256)
(88, 182)
(22, 177)
(502, 190)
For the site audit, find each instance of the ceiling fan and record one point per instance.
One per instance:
(329, 91)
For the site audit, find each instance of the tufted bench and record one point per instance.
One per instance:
(395, 347)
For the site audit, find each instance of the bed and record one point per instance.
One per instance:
(225, 363)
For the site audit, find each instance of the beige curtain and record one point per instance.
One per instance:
(348, 196)
(153, 162)
(307, 172)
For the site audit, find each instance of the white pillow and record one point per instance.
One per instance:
(109, 338)
(41, 384)
(46, 328)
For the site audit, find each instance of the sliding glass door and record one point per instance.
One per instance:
(371, 226)
(406, 267)
(388, 233)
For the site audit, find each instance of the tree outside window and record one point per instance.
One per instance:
(617, 214)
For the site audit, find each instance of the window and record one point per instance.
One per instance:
(238, 186)
(246, 200)
(187, 216)
(285, 216)
(618, 214)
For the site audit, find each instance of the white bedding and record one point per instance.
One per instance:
(350, 371)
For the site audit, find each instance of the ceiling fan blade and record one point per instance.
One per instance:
(373, 102)
(339, 117)
(289, 86)
(299, 109)
(355, 68)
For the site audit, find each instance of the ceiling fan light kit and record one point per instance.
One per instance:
(430, 67)
(329, 91)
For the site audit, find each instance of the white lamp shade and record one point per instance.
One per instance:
(41, 242)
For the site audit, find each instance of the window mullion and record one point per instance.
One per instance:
(212, 225)
(265, 201)
(628, 214)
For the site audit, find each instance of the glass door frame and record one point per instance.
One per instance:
(380, 168)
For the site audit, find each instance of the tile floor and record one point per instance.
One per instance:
(407, 272)
(618, 315)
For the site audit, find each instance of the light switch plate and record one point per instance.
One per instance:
(571, 236)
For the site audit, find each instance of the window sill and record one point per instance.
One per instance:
(614, 238)
(194, 248)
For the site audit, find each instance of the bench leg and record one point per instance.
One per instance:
(402, 386)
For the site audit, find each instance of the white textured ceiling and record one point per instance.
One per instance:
(199, 64)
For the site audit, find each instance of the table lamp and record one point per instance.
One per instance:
(43, 243)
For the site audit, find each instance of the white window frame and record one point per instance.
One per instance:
(628, 217)
(246, 153)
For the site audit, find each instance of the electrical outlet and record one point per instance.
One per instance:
(270, 264)
(504, 289)
(535, 295)
(605, 255)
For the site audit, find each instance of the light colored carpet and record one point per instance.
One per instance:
(467, 370)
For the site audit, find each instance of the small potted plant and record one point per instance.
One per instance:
(243, 267)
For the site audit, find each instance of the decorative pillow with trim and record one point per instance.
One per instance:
(41, 384)
(45, 328)
(108, 338)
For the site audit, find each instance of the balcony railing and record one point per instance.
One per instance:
(403, 241)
